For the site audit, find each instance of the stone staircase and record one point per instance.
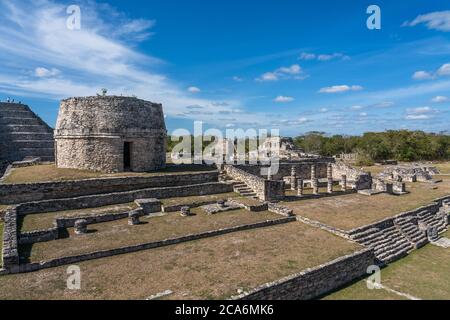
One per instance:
(409, 228)
(389, 244)
(23, 134)
(438, 220)
(244, 190)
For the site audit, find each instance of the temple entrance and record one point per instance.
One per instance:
(127, 156)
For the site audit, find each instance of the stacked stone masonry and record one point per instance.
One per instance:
(23, 134)
(18, 193)
(111, 134)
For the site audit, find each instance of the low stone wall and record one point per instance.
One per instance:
(129, 249)
(19, 193)
(279, 209)
(266, 190)
(433, 208)
(313, 283)
(122, 197)
(10, 251)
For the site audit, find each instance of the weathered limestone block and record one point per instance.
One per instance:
(133, 218)
(399, 187)
(149, 205)
(81, 226)
(185, 211)
(330, 185)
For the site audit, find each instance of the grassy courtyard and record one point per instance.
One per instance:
(424, 274)
(42, 221)
(198, 199)
(118, 233)
(354, 210)
(212, 268)
(50, 172)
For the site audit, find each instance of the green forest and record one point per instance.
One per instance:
(401, 145)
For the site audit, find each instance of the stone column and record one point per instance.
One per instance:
(300, 187)
(293, 178)
(269, 174)
(329, 178)
(313, 172)
(315, 185)
(344, 182)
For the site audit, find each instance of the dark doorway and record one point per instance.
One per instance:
(127, 156)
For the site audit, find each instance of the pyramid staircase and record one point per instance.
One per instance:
(23, 134)
(410, 229)
(438, 220)
(389, 244)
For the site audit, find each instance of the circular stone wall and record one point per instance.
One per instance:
(111, 134)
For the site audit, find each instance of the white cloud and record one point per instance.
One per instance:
(363, 114)
(444, 70)
(341, 88)
(356, 107)
(283, 73)
(420, 110)
(307, 56)
(194, 90)
(323, 110)
(439, 20)
(283, 99)
(417, 117)
(323, 57)
(42, 72)
(439, 99)
(422, 75)
(237, 79)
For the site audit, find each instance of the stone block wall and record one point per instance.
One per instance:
(313, 283)
(19, 193)
(10, 251)
(265, 190)
(93, 201)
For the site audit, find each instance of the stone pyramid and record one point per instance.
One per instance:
(23, 134)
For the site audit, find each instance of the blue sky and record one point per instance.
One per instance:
(293, 65)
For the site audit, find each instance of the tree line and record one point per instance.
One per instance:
(401, 145)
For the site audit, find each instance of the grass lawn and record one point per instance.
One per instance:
(353, 210)
(213, 268)
(43, 221)
(118, 233)
(198, 199)
(424, 274)
(41, 173)
(444, 167)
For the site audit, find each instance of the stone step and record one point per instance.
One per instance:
(370, 237)
(30, 136)
(34, 143)
(13, 107)
(248, 194)
(25, 128)
(15, 113)
(20, 121)
(396, 251)
(364, 233)
(37, 152)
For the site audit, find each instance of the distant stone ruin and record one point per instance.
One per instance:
(409, 173)
(111, 134)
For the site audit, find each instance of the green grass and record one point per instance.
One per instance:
(208, 268)
(47, 173)
(424, 274)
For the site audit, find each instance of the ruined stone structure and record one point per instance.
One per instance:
(111, 134)
(409, 173)
(23, 135)
(284, 148)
